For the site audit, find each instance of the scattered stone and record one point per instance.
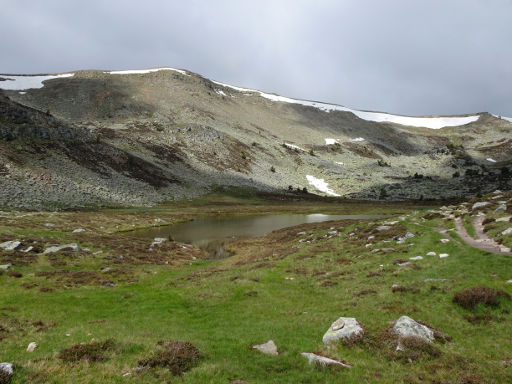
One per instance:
(501, 207)
(78, 230)
(416, 258)
(401, 239)
(32, 347)
(7, 368)
(323, 361)
(73, 246)
(434, 279)
(5, 267)
(507, 231)
(157, 240)
(383, 228)
(480, 204)
(106, 269)
(28, 249)
(11, 245)
(97, 252)
(371, 237)
(49, 225)
(503, 219)
(345, 328)
(509, 281)
(444, 241)
(407, 327)
(301, 233)
(268, 348)
(443, 255)
(404, 264)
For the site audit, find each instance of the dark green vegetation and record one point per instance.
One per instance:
(101, 317)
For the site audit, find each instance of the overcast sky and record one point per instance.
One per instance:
(404, 56)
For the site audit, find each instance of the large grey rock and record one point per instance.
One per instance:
(343, 329)
(11, 245)
(7, 368)
(407, 327)
(5, 267)
(321, 360)
(501, 207)
(73, 246)
(480, 204)
(268, 348)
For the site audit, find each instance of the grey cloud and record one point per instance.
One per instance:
(401, 56)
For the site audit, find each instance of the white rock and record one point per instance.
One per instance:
(5, 267)
(342, 329)
(31, 347)
(416, 258)
(58, 248)
(371, 237)
(78, 230)
(383, 228)
(49, 225)
(501, 207)
(157, 240)
(323, 361)
(431, 254)
(507, 231)
(404, 264)
(503, 219)
(480, 204)
(268, 348)
(443, 255)
(407, 327)
(509, 281)
(28, 249)
(7, 368)
(444, 241)
(11, 245)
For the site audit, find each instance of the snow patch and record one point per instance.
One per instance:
(339, 162)
(144, 71)
(293, 146)
(19, 83)
(358, 139)
(321, 185)
(219, 92)
(331, 141)
(379, 117)
(490, 160)
(509, 119)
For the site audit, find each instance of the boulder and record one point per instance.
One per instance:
(322, 360)
(5, 267)
(268, 348)
(11, 245)
(345, 328)
(7, 368)
(407, 327)
(73, 246)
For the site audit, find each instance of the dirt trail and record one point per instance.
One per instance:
(483, 242)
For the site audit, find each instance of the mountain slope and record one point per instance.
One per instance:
(153, 135)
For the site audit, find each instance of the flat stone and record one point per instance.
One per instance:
(501, 208)
(383, 228)
(78, 230)
(503, 219)
(407, 327)
(268, 348)
(7, 368)
(5, 267)
(58, 248)
(404, 264)
(342, 329)
(416, 258)
(443, 255)
(32, 347)
(158, 240)
(480, 204)
(509, 281)
(321, 360)
(507, 231)
(434, 279)
(431, 254)
(11, 245)
(444, 241)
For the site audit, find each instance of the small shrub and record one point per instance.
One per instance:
(94, 351)
(383, 163)
(14, 274)
(470, 298)
(415, 348)
(177, 356)
(488, 220)
(272, 169)
(5, 378)
(243, 155)
(311, 152)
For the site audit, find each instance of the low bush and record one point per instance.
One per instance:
(177, 356)
(472, 297)
(94, 351)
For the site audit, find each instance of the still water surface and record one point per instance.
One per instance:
(211, 233)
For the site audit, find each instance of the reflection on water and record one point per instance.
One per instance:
(212, 233)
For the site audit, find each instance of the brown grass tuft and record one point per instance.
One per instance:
(94, 351)
(472, 297)
(177, 356)
(5, 378)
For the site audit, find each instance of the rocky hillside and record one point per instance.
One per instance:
(142, 137)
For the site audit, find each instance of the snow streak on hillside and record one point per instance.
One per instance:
(19, 83)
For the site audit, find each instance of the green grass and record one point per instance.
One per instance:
(205, 304)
